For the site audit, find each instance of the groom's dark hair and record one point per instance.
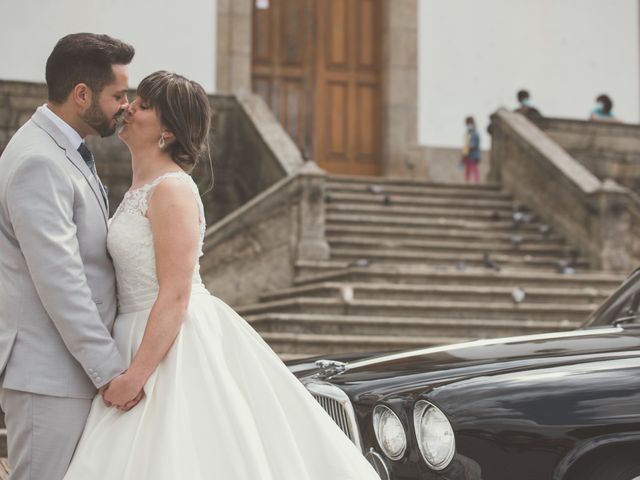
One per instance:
(84, 58)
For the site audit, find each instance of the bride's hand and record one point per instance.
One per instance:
(123, 392)
(132, 403)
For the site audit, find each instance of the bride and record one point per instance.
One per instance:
(204, 396)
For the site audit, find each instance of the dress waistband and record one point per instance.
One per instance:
(138, 301)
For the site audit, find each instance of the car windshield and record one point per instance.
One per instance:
(623, 306)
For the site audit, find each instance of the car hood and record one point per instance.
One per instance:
(418, 369)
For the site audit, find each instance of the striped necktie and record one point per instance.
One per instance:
(87, 156)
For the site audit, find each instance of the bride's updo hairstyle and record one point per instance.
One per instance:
(184, 110)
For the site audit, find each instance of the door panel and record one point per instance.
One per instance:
(368, 28)
(317, 64)
(336, 121)
(294, 18)
(292, 108)
(369, 112)
(348, 55)
(335, 32)
(282, 64)
(262, 45)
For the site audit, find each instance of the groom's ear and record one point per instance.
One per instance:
(81, 95)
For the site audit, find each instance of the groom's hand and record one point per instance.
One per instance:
(123, 392)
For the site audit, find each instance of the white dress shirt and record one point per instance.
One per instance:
(73, 136)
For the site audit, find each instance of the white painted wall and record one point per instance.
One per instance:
(475, 54)
(173, 35)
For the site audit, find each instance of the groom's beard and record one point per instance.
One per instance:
(96, 119)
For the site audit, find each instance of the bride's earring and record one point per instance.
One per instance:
(161, 142)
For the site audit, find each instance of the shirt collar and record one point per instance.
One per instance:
(73, 136)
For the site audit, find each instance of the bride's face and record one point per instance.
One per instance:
(141, 124)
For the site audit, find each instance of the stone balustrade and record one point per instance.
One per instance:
(608, 150)
(250, 150)
(254, 249)
(599, 216)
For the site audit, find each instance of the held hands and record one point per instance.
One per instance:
(124, 392)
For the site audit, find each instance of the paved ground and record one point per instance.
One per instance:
(4, 469)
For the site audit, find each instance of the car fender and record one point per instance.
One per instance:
(586, 448)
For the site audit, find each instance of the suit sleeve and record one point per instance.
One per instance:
(40, 205)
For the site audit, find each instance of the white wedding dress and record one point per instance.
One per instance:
(220, 406)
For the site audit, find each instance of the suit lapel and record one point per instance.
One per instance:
(73, 156)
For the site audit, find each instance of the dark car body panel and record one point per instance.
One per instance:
(524, 407)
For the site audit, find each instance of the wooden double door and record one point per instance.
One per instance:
(317, 63)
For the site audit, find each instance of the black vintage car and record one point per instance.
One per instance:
(561, 406)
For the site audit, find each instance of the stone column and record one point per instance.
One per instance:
(312, 242)
(400, 102)
(497, 152)
(610, 228)
(234, 46)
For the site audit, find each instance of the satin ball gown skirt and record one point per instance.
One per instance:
(220, 406)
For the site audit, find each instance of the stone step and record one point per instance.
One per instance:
(503, 206)
(372, 241)
(473, 293)
(428, 223)
(454, 213)
(391, 232)
(419, 189)
(403, 181)
(285, 357)
(313, 272)
(316, 344)
(392, 256)
(426, 309)
(326, 324)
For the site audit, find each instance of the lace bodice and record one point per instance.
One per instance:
(130, 242)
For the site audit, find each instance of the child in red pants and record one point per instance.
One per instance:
(471, 151)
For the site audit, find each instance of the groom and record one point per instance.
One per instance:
(57, 283)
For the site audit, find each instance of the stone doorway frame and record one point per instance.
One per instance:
(400, 75)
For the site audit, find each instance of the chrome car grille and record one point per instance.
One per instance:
(337, 412)
(337, 404)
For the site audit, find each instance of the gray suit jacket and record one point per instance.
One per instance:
(57, 283)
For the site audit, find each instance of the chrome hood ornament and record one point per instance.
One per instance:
(329, 368)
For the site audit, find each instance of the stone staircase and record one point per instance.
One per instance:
(416, 264)
(407, 269)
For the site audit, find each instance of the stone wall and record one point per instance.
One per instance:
(250, 151)
(254, 250)
(441, 164)
(608, 150)
(18, 100)
(596, 216)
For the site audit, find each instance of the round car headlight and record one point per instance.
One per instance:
(389, 432)
(435, 435)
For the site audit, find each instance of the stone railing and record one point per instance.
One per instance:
(608, 150)
(250, 150)
(599, 217)
(255, 248)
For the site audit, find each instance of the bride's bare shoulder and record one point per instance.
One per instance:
(173, 194)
